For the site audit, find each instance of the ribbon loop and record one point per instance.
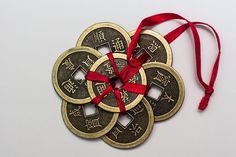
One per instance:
(134, 64)
(126, 73)
(160, 18)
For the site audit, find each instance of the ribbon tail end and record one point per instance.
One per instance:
(204, 103)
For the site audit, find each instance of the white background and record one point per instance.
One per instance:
(34, 33)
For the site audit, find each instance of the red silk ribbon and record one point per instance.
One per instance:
(208, 88)
(134, 64)
(126, 73)
(160, 18)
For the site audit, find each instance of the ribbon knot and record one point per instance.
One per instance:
(209, 90)
(205, 99)
(160, 18)
(126, 73)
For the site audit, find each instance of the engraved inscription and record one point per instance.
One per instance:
(124, 96)
(69, 65)
(137, 109)
(115, 132)
(153, 46)
(135, 129)
(101, 86)
(163, 79)
(167, 97)
(69, 86)
(133, 79)
(108, 68)
(75, 112)
(118, 45)
(92, 123)
(99, 37)
(88, 62)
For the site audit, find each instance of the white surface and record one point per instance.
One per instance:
(34, 33)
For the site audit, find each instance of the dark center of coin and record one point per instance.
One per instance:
(116, 82)
(96, 88)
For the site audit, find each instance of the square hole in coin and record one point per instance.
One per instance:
(118, 83)
(79, 75)
(104, 49)
(89, 109)
(141, 52)
(124, 119)
(155, 91)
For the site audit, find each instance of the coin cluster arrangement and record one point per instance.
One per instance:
(79, 90)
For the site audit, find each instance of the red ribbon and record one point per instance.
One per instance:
(160, 18)
(126, 73)
(134, 64)
(208, 88)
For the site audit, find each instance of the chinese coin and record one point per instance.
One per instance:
(136, 131)
(87, 125)
(96, 88)
(105, 34)
(69, 71)
(163, 78)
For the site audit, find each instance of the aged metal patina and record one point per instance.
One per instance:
(165, 79)
(65, 76)
(136, 131)
(104, 67)
(87, 126)
(154, 45)
(105, 34)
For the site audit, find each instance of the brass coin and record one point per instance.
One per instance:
(171, 86)
(154, 45)
(95, 88)
(136, 131)
(66, 71)
(105, 34)
(87, 126)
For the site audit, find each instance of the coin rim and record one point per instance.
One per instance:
(180, 82)
(82, 134)
(105, 106)
(142, 139)
(162, 40)
(100, 25)
(55, 71)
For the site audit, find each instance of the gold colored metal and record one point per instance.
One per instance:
(159, 37)
(106, 106)
(139, 140)
(82, 134)
(55, 73)
(101, 25)
(180, 84)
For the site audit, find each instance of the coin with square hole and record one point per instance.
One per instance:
(132, 127)
(69, 71)
(166, 93)
(103, 66)
(105, 37)
(87, 120)
(154, 45)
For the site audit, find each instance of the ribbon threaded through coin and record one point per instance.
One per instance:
(82, 76)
